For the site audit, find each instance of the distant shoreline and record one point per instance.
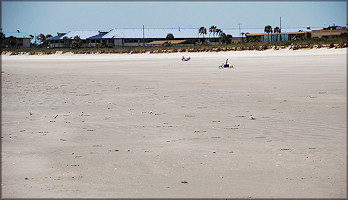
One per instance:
(232, 55)
(176, 49)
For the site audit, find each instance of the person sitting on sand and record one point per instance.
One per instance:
(226, 64)
(185, 59)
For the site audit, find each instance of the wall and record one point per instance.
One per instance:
(26, 42)
(328, 33)
(284, 37)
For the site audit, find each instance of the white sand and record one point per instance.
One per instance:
(198, 141)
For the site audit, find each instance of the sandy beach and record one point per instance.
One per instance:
(156, 127)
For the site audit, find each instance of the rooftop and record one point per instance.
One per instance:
(255, 34)
(16, 34)
(160, 33)
(169, 41)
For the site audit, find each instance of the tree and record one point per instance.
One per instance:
(242, 33)
(12, 42)
(212, 29)
(42, 38)
(2, 39)
(76, 42)
(334, 27)
(8, 42)
(268, 29)
(202, 31)
(246, 34)
(277, 30)
(224, 38)
(218, 31)
(222, 35)
(170, 36)
(229, 38)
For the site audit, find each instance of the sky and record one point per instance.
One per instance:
(50, 17)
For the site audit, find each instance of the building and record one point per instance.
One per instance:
(167, 42)
(329, 33)
(275, 37)
(16, 39)
(64, 40)
(130, 37)
(134, 37)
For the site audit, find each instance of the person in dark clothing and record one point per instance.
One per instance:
(227, 65)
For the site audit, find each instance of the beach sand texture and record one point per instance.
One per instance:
(155, 127)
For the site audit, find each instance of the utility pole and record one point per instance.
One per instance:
(239, 31)
(143, 37)
(280, 27)
(239, 28)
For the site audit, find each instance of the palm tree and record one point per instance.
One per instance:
(212, 29)
(268, 29)
(202, 31)
(277, 30)
(218, 31)
(246, 39)
(31, 37)
(225, 38)
(222, 35)
(242, 33)
(42, 38)
(170, 36)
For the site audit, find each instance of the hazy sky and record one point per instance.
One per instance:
(50, 17)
